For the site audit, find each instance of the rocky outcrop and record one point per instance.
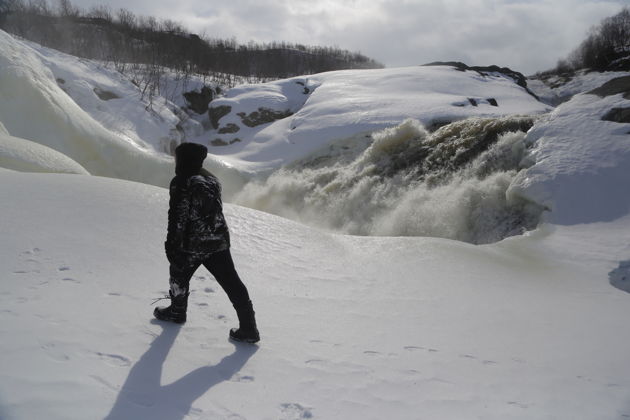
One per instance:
(216, 113)
(220, 142)
(263, 116)
(198, 101)
(518, 78)
(229, 128)
(620, 115)
(105, 95)
(613, 87)
(476, 102)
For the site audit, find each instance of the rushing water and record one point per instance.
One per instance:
(406, 181)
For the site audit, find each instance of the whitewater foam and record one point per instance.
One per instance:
(405, 181)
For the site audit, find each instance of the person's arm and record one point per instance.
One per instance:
(178, 214)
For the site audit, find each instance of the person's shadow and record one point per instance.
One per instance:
(143, 396)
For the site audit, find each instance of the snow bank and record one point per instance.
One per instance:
(341, 104)
(582, 164)
(114, 101)
(34, 107)
(27, 156)
(352, 328)
(557, 89)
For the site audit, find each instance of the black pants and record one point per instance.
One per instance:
(220, 265)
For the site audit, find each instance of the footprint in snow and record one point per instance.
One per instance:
(413, 348)
(295, 411)
(114, 359)
(485, 362)
(25, 271)
(32, 251)
(54, 353)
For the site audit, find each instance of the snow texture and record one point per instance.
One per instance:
(582, 163)
(27, 156)
(352, 327)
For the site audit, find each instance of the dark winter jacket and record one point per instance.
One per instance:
(196, 224)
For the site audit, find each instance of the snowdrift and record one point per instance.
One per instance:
(27, 156)
(353, 328)
(35, 108)
(582, 162)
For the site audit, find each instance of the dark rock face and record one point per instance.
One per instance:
(105, 95)
(518, 78)
(477, 102)
(613, 87)
(229, 128)
(198, 101)
(219, 142)
(306, 90)
(620, 115)
(216, 113)
(263, 116)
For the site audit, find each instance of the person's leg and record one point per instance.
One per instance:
(180, 274)
(221, 266)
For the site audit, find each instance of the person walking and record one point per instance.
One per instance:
(198, 235)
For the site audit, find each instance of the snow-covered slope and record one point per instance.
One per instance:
(90, 114)
(113, 101)
(557, 89)
(353, 328)
(27, 156)
(315, 110)
(35, 108)
(582, 161)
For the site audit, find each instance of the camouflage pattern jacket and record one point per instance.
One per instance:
(196, 225)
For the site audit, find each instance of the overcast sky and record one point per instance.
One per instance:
(526, 35)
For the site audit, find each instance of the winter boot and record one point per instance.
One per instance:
(247, 331)
(176, 312)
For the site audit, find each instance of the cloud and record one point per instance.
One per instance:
(527, 35)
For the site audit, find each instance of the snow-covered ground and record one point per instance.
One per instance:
(352, 328)
(531, 327)
(582, 162)
(557, 89)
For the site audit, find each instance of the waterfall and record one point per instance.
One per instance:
(407, 181)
